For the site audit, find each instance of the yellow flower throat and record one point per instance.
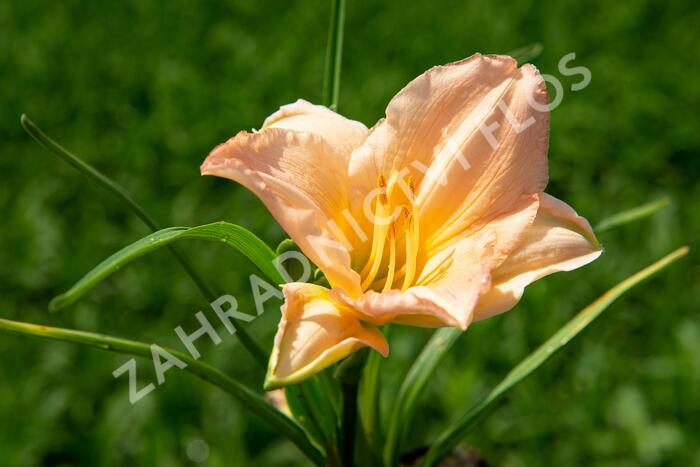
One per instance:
(394, 221)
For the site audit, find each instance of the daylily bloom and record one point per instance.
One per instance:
(434, 217)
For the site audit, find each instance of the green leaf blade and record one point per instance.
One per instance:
(632, 215)
(370, 409)
(312, 409)
(456, 432)
(231, 235)
(412, 387)
(91, 173)
(252, 400)
(298, 404)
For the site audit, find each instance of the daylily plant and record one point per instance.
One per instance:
(436, 216)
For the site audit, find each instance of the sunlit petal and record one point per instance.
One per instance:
(440, 128)
(445, 294)
(300, 178)
(340, 132)
(558, 240)
(315, 332)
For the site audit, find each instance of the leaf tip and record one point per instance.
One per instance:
(56, 304)
(24, 121)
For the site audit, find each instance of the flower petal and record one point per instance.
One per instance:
(315, 332)
(433, 129)
(497, 154)
(558, 240)
(341, 133)
(302, 178)
(450, 280)
(445, 294)
(508, 228)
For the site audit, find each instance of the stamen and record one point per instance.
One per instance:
(375, 231)
(392, 259)
(378, 238)
(384, 226)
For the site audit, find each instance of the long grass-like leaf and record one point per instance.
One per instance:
(370, 408)
(331, 96)
(91, 173)
(334, 56)
(116, 190)
(443, 339)
(311, 407)
(631, 215)
(461, 427)
(252, 400)
(349, 372)
(231, 235)
(416, 379)
(299, 405)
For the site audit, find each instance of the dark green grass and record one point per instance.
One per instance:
(143, 89)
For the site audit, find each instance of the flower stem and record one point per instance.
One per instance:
(334, 56)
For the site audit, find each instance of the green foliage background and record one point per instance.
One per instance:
(143, 89)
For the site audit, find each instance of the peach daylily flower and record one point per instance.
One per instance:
(434, 217)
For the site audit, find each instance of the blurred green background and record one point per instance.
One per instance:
(143, 89)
